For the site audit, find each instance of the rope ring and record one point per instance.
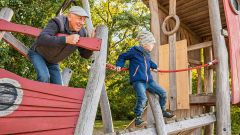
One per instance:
(177, 20)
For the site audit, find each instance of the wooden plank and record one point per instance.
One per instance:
(222, 81)
(106, 112)
(199, 46)
(26, 114)
(14, 126)
(155, 29)
(6, 14)
(16, 44)
(195, 62)
(65, 131)
(202, 99)
(208, 86)
(190, 124)
(172, 62)
(94, 87)
(50, 109)
(176, 127)
(182, 77)
(46, 88)
(84, 42)
(199, 81)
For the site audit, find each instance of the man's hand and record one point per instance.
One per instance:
(118, 69)
(72, 39)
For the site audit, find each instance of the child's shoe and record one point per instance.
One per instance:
(168, 114)
(139, 122)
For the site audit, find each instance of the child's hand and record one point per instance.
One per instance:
(118, 69)
(155, 70)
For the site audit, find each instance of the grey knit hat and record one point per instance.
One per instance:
(145, 37)
(78, 11)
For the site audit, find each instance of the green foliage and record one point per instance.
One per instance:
(235, 116)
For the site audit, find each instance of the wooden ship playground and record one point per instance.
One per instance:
(184, 30)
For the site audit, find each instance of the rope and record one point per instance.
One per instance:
(112, 67)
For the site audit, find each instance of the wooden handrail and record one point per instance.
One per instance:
(93, 44)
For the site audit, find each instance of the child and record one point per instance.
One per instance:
(140, 76)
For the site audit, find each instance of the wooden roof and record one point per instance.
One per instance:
(194, 14)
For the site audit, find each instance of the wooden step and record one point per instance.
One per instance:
(183, 125)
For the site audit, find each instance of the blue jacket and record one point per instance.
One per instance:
(140, 64)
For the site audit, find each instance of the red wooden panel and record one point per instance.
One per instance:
(88, 43)
(46, 88)
(233, 25)
(43, 114)
(67, 131)
(37, 108)
(44, 107)
(24, 125)
(35, 94)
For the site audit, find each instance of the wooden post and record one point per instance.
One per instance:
(199, 81)
(222, 82)
(94, 87)
(104, 109)
(106, 112)
(157, 114)
(6, 14)
(172, 61)
(208, 86)
(155, 29)
(66, 76)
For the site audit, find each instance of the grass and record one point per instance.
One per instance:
(118, 124)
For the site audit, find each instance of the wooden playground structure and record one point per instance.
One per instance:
(206, 27)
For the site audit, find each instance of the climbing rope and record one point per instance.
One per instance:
(213, 62)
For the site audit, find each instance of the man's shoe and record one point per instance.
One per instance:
(168, 114)
(139, 122)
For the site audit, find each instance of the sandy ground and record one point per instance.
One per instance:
(98, 132)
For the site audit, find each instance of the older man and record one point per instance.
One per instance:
(48, 50)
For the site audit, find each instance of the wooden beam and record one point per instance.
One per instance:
(16, 44)
(208, 86)
(190, 124)
(106, 112)
(157, 113)
(155, 29)
(175, 127)
(104, 103)
(182, 25)
(202, 99)
(94, 87)
(66, 76)
(222, 71)
(6, 14)
(195, 62)
(172, 62)
(199, 46)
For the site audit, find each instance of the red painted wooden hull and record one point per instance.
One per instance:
(233, 25)
(43, 109)
(93, 44)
